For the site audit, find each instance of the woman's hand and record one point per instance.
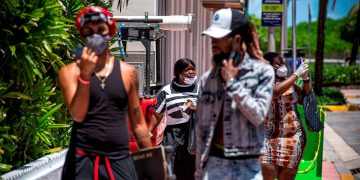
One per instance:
(303, 69)
(189, 104)
(192, 104)
(305, 76)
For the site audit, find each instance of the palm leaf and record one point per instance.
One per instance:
(53, 150)
(55, 126)
(4, 128)
(5, 167)
(44, 138)
(16, 95)
(42, 119)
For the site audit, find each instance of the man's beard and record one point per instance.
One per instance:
(217, 61)
(218, 58)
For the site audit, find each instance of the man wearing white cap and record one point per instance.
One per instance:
(235, 96)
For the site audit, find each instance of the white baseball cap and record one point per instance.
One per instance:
(224, 21)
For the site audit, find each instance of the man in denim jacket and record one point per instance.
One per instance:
(234, 99)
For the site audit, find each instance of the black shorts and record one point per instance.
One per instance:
(82, 167)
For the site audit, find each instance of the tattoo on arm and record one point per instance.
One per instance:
(136, 81)
(137, 114)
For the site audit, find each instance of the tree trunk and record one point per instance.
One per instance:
(354, 49)
(320, 47)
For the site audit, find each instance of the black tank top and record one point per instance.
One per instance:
(104, 130)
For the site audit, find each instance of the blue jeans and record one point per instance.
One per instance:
(225, 169)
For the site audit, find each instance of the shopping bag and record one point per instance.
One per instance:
(311, 113)
(150, 163)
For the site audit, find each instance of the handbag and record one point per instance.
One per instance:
(192, 136)
(311, 113)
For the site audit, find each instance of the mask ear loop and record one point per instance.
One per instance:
(181, 77)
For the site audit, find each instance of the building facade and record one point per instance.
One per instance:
(179, 44)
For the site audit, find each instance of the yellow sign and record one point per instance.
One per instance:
(272, 8)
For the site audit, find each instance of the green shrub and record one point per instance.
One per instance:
(32, 41)
(330, 96)
(335, 74)
(36, 41)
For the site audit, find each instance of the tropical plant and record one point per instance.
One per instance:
(320, 43)
(8, 142)
(37, 120)
(334, 47)
(36, 40)
(341, 75)
(330, 96)
(351, 30)
(34, 34)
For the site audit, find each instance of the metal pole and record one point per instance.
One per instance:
(294, 34)
(271, 39)
(283, 38)
(146, 43)
(309, 32)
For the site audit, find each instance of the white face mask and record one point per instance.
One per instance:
(281, 71)
(188, 81)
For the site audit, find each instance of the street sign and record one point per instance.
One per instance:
(271, 12)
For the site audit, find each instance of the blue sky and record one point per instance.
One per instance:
(342, 8)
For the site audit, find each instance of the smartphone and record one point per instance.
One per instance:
(235, 57)
(78, 51)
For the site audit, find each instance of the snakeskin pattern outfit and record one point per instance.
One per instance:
(285, 136)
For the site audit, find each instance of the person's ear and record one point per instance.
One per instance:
(237, 42)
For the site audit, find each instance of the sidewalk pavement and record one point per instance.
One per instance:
(352, 97)
(351, 93)
(337, 155)
(341, 159)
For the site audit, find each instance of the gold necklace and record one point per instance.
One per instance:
(102, 80)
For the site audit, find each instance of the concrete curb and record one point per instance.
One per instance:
(343, 108)
(335, 108)
(47, 167)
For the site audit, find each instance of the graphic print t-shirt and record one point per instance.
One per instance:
(171, 100)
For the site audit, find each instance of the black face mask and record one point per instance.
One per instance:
(97, 42)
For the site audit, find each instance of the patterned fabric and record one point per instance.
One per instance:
(171, 99)
(245, 103)
(285, 137)
(311, 113)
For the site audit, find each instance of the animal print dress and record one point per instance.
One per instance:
(285, 137)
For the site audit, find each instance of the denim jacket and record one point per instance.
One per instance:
(245, 103)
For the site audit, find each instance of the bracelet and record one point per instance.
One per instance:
(83, 81)
(306, 80)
